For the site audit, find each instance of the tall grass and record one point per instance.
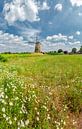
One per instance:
(40, 92)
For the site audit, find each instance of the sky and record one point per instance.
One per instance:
(56, 23)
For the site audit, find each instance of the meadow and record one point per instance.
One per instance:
(40, 91)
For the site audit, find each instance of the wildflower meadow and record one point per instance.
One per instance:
(40, 91)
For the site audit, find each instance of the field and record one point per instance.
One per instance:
(41, 91)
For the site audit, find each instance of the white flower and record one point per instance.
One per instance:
(22, 123)
(2, 95)
(61, 127)
(48, 117)
(74, 122)
(3, 109)
(35, 108)
(64, 123)
(44, 107)
(26, 122)
(16, 98)
(4, 115)
(11, 104)
(18, 123)
(58, 127)
(7, 118)
(10, 122)
(38, 113)
(37, 118)
(6, 97)
(3, 101)
(15, 118)
(20, 112)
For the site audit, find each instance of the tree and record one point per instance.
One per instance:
(65, 52)
(74, 50)
(60, 51)
(80, 50)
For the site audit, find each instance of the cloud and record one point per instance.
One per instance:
(64, 42)
(75, 43)
(21, 10)
(78, 33)
(13, 43)
(57, 38)
(58, 7)
(71, 37)
(45, 6)
(76, 2)
(27, 32)
(79, 14)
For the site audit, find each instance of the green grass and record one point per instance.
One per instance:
(40, 91)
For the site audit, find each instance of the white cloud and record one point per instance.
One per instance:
(13, 43)
(78, 33)
(71, 37)
(58, 7)
(57, 38)
(64, 42)
(21, 10)
(45, 6)
(76, 2)
(79, 14)
(75, 43)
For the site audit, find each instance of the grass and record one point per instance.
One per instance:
(40, 91)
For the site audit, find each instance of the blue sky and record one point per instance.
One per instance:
(58, 24)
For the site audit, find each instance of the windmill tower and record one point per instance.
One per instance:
(37, 46)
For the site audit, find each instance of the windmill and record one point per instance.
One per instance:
(37, 44)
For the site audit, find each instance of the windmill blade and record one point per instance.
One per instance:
(31, 42)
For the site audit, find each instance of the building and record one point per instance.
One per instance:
(38, 47)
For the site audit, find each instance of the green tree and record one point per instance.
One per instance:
(60, 51)
(80, 49)
(74, 50)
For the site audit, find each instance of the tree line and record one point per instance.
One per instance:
(60, 51)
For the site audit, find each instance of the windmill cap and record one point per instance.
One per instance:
(38, 43)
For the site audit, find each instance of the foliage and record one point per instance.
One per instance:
(65, 52)
(74, 50)
(60, 51)
(2, 58)
(80, 50)
(54, 53)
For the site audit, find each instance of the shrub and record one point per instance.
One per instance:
(74, 50)
(2, 59)
(60, 51)
(65, 52)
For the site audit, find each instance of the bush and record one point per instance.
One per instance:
(52, 52)
(74, 50)
(60, 51)
(65, 52)
(2, 59)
